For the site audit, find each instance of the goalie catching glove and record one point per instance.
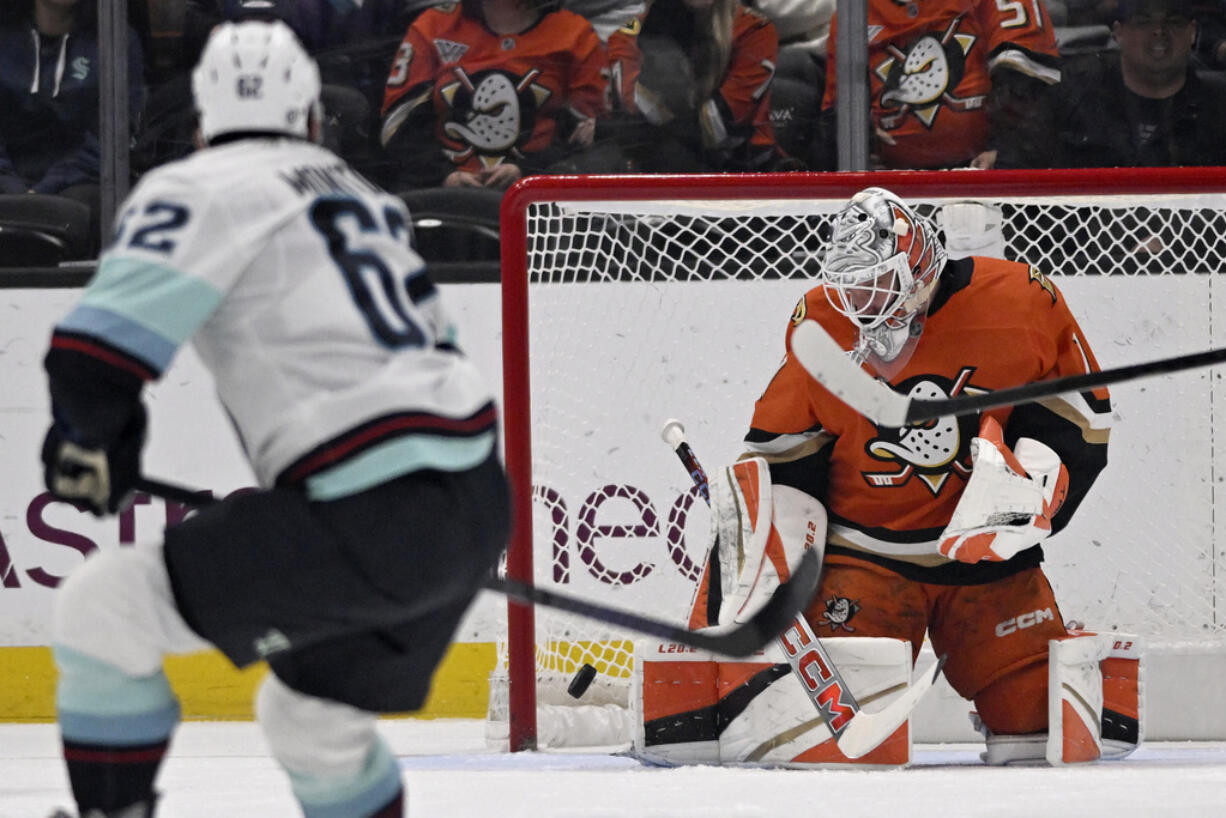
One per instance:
(759, 532)
(1009, 500)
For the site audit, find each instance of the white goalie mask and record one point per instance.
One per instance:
(880, 269)
(255, 76)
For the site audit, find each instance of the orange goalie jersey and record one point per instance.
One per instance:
(495, 97)
(890, 492)
(929, 72)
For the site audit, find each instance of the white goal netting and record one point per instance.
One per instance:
(664, 305)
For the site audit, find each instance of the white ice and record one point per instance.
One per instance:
(223, 770)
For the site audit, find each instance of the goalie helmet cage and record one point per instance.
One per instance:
(631, 299)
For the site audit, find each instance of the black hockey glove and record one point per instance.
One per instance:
(99, 480)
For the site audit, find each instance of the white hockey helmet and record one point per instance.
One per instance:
(255, 76)
(881, 266)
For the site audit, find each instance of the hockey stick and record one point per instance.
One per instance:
(828, 363)
(856, 731)
(742, 640)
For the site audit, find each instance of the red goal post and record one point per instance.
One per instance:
(1136, 223)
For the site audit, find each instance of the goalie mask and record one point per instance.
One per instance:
(255, 76)
(880, 269)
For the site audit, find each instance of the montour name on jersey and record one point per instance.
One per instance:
(315, 180)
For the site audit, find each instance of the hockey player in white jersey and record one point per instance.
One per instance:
(382, 504)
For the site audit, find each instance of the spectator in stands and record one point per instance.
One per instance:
(1210, 17)
(483, 92)
(353, 42)
(49, 64)
(803, 27)
(1143, 105)
(947, 78)
(692, 80)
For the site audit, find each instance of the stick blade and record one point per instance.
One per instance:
(828, 364)
(866, 731)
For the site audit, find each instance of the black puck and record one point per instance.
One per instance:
(582, 681)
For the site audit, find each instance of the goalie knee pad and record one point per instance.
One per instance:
(1095, 701)
(698, 708)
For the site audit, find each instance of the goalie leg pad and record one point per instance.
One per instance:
(755, 712)
(1095, 704)
(1123, 720)
(676, 698)
(1075, 699)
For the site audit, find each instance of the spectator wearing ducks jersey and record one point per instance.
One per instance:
(691, 81)
(947, 78)
(483, 92)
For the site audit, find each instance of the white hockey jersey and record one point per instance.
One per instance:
(296, 281)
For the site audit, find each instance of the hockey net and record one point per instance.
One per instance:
(630, 300)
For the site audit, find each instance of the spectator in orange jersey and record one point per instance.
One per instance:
(483, 92)
(693, 80)
(947, 76)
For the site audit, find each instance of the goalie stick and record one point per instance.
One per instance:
(829, 365)
(856, 731)
(742, 640)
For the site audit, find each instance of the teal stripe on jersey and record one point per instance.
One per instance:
(399, 456)
(161, 299)
(374, 786)
(136, 340)
(98, 703)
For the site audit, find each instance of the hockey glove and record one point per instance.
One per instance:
(1009, 500)
(759, 532)
(100, 480)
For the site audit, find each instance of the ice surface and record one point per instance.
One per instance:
(223, 770)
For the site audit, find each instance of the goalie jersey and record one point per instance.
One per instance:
(297, 280)
(889, 493)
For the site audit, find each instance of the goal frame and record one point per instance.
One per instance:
(517, 418)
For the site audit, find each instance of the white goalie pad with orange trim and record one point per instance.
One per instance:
(759, 532)
(1095, 697)
(697, 708)
(1095, 704)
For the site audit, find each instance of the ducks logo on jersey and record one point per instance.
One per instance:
(921, 80)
